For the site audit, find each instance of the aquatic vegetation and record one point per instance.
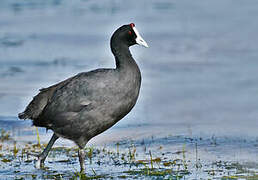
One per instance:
(38, 138)
(4, 136)
(120, 160)
(15, 149)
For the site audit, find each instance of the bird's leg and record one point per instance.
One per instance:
(81, 155)
(41, 158)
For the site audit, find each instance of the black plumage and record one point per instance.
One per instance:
(89, 103)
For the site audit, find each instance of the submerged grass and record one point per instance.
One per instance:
(248, 177)
(4, 136)
(122, 161)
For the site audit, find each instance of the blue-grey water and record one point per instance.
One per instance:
(199, 77)
(200, 73)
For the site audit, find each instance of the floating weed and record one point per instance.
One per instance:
(6, 160)
(166, 164)
(83, 176)
(121, 159)
(151, 172)
(4, 136)
(157, 160)
(59, 149)
(250, 177)
(122, 177)
(142, 162)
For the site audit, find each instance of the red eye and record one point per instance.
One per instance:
(132, 25)
(130, 32)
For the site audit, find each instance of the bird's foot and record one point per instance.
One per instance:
(39, 163)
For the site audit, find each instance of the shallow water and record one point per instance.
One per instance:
(199, 74)
(170, 157)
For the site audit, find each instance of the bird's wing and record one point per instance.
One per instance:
(82, 94)
(85, 89)
(39, 102)
(70, 97)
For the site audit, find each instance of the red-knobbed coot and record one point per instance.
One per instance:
(89, 103)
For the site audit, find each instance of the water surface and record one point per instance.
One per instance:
(199, 74)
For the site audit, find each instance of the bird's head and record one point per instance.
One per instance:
(129, 35)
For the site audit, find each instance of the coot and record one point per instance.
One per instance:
(89, 103)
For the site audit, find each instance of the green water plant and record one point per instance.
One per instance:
(5, 136)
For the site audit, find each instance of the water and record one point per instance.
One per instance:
(199, 74)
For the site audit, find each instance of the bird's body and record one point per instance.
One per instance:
(89, 103)
(81, 107)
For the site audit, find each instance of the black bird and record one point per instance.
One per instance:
(89, 103)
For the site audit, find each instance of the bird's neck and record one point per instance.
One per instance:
(123, 56)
